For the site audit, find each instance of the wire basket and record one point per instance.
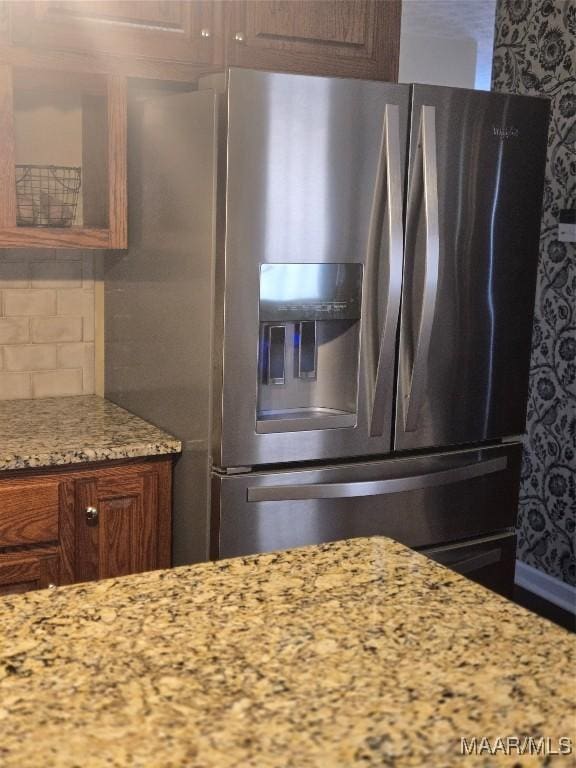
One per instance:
(46, 195)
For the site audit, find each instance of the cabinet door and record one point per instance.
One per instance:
(23, 571)
(180, 31)
(349, 38)
(122, 522)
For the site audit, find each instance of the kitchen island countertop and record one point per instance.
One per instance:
(71, 430)
(359, 652)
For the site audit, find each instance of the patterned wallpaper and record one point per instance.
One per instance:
(535, 53)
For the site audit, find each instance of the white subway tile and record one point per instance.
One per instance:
(53, 329)
(42, 254)
(14, 330)
(15, 386)
(68, 254)
(56, 383)
(33, 302)
(75, 355)
(13, 254)
(88, 271)
(56, 274)
(89, 331)
(14, 274)
(29, 357)
(89, 379)
(75, 302)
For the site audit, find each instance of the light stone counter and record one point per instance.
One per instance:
(357, 653)
(71, 430)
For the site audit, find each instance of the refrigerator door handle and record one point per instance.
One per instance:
(383, 383)
(377, 487)
(418, 381)
(376, 342)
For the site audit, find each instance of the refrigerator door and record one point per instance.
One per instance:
(309, 268)
(475, 182)
(421, 502)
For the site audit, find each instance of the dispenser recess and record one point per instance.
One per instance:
(309, 344)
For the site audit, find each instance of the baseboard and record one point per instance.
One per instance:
(542, 584)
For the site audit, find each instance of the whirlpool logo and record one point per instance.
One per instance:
(510, 132)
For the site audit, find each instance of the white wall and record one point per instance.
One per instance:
(437, 60)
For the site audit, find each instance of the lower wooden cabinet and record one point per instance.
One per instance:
(24, 570)
(67, 525)
(121, 523)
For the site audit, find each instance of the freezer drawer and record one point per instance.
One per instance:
(421, 502)
(490, 561)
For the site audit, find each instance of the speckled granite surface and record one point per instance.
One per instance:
(354, 653)
(71, 430)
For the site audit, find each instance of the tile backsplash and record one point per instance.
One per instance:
(46, 323)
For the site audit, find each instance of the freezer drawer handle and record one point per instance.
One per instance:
(376, 487)
(473, 562)
(417, 387)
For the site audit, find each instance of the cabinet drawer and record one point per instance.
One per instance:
(22, 571)
(28, 512)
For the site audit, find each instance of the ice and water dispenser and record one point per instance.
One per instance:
(308, 346)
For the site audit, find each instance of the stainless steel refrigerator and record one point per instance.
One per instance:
(328, 297)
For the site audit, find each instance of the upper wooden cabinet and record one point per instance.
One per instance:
(62, 159)
(181, 39)
(72, 58)
(157, 38)
(347, 38)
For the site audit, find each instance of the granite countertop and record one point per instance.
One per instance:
(72, 430)
(360, 652)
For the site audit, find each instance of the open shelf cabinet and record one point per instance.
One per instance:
(48, 117)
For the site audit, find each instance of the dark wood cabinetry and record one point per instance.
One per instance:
(20, 571)
(133, 32)
(91, 47)
(29, 511)
(101, 104)
(65, 525)
(348, 38)
(122, 522)
(181, 39)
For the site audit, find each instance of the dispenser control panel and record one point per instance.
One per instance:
(310, 291)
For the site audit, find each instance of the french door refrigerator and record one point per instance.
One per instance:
(328, 297)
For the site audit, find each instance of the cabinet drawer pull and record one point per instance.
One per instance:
(239, 37)
(51, 585)
(91, 515)
(205, 33)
